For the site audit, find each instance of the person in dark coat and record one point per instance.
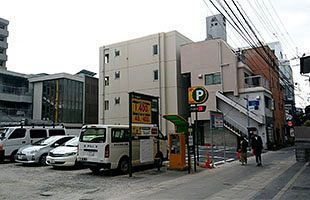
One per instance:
(243, 150)
(257, 146)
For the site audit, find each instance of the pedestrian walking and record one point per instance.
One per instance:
(257, 146)
(243, 150)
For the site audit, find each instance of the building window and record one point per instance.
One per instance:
(106, 105)
(117, 74)
(155, 74)
(155, 49)
(212, 79)
(106, 81)
(246, 80)
(1, 38)
(117, 100)
(106, 58)
(117, 52)
(1, 50)
(268, 103)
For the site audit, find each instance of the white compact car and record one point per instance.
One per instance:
(64, 155)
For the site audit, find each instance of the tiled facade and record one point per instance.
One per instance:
(268, 68)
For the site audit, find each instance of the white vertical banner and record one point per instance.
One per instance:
(146, 150)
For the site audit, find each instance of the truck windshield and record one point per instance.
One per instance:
(93, 135)
(5, 132)
(2, 134)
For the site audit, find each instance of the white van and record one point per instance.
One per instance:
(104, 147)
(12, 138)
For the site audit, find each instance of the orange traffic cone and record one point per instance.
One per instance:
(207, 162)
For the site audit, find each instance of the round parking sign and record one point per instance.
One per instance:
(197, 95)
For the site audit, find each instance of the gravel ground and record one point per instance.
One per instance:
(18, 181)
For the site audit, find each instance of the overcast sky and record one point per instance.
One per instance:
(55, 36)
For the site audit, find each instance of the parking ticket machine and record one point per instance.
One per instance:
(177, 142)
(177, 151)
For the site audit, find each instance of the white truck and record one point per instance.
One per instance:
(105, 147)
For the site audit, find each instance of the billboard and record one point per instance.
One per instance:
(143, 111)
(305, 65)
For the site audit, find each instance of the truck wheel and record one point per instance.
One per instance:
(42, 160)
(123, 165)
(13, 156)
(95, 170)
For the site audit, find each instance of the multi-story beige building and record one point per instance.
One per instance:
(232, 87)
(4, 33)
(149, 65)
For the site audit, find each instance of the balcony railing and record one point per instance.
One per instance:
(15, 112)
(256, 81)
(15, 90)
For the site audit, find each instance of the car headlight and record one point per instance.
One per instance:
(70, 154)
(33, 151)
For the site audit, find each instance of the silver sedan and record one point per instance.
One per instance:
(38, 151)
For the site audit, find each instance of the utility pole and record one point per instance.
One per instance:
(248, 114)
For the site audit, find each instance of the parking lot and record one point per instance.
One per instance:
(18, 181)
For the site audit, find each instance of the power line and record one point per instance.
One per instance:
(274, 10)
(280, 33)
(281, 77)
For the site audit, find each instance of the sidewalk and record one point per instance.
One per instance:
(280, 177)
(262, 185)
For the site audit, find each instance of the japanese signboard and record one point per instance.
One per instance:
(143, 114)
(254, 105)
(141, 111)
(217, 120)
(144, 130)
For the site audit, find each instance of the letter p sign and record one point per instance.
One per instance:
(197, 95)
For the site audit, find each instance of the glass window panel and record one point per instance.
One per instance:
(216, 78)
(208, 79)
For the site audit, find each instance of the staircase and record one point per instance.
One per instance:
(235, 127)
(240, 108)
(236, 115)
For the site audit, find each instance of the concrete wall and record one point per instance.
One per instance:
(302, 143)
(37, 100)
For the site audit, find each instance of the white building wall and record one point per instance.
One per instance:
(208, 57)
(136, 64)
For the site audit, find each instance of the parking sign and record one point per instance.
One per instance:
(197, 95)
